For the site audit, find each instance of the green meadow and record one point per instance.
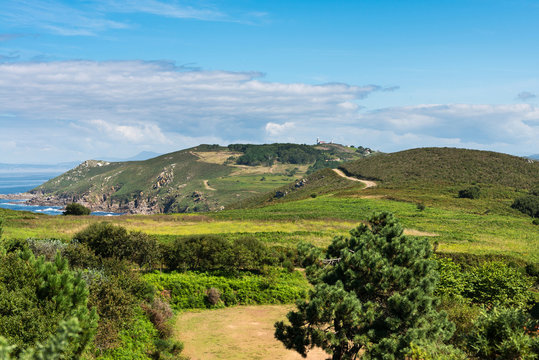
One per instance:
(485, 226)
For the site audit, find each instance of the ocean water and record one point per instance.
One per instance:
(18, 183)
(14, 183)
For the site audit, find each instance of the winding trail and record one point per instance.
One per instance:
(367, 183)
(207, 186)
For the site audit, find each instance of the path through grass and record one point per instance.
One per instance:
(242, 332)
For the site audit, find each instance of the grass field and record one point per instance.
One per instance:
(484, 226)
(241, 332)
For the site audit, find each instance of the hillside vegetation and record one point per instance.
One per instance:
(447, 166)
(203, 178)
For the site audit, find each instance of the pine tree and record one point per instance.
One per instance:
(61, 326)
(373, 295)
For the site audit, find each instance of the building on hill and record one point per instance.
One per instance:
(320, 142)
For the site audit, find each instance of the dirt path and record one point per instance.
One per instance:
(239, 333)
(367, 183)
(207, 186)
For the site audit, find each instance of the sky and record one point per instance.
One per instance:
(108, 78)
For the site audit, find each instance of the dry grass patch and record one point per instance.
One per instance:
(243, 332)
(414, 232)
(215, 157)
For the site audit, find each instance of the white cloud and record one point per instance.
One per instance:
(123, 107)
(160, 106)
(274, 129)
(138, 133)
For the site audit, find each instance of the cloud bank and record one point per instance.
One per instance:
(59, 111)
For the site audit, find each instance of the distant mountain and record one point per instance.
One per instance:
(203, 178)
(535, 157)
(446, 166)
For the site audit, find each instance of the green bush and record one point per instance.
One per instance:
(473, 192)
(496, 284)
(41, 300)
(504, 334)
(528, 204)
(452, 279)
(76, 209)
(208, 252)
(108, 240)
(189, 290)
(491, 283)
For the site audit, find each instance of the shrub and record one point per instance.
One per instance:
(207, 252)
(42, 300)
(528, 204)
(47, 247)
(473, 192)
(497, 284)
(421, 206)
(452, 279)
(80, 256)
(504, 334)
(213, 296)
(76, 209)
(203, 252)
(160, 313)
(461, 312)
(107, 240)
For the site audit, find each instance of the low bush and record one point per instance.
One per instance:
(46, 247)
(504, 334)
(76, 209)
(108, 240)
(496, 284)
(160, 313)
(492, 283)
(473, 192)
(209, 252)
(528, 204)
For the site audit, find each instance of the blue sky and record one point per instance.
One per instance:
(93, 79)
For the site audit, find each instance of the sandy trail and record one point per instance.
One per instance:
(367, 183)
(207, 186)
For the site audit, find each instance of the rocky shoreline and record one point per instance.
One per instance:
(51, 200)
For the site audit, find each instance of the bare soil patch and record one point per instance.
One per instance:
(242, 332)
(207, 186)
(367, 183)
(413, 232)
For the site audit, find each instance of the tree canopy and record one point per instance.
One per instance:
(373, 295)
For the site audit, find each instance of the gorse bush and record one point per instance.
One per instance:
(107, 240)
(207, 252)
(504, 334)
(472, 192)
(528, 204)
(76, 209)
(492, 283)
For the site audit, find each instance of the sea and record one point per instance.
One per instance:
(16, 183)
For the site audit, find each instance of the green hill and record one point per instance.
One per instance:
(203, 178)
(446, 166)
